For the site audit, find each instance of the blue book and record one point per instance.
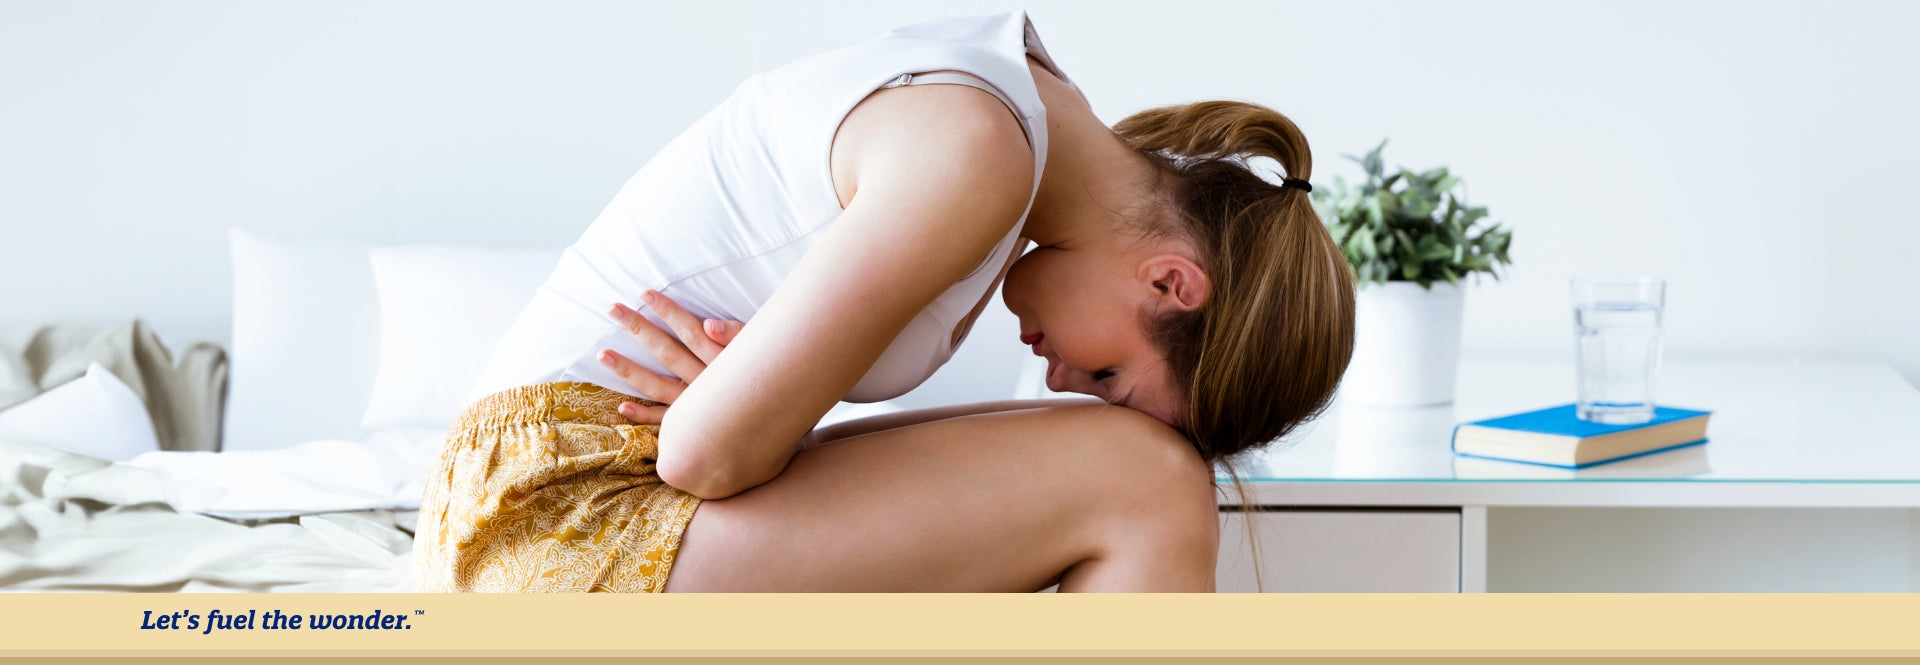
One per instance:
(1557, 437)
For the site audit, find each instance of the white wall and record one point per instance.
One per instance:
(1759, 154)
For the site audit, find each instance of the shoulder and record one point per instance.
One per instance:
(934, 142)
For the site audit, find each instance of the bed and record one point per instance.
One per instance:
(70, 522)
(292, 461)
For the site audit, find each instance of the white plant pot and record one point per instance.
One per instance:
(1406, 345)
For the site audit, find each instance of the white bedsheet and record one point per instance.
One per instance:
(385, 470)
(74, 523)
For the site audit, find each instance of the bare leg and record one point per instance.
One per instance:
(1090, 497)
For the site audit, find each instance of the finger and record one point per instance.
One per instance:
(657, 342)
(723, 332)
(642, 414)
(660, 388)
(684, 323)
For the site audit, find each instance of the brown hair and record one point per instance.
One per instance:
(1266, 349)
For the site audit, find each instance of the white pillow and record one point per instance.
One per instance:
(96, 415)
(442, 312)
(305, 335)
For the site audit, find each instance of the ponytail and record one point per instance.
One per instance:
(1218, 130)
(1266, 351)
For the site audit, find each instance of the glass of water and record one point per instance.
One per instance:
(1616, 321)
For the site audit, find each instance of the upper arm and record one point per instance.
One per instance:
(936, 192)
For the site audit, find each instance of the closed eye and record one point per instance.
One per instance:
(1101, 377)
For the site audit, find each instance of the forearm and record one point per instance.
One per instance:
(714, 449)
(888, 421)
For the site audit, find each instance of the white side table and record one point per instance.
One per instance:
(1361, 499)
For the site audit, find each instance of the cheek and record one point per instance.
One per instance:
(1089, 320)
(1095, 329)
(1094, 343)
(1032, 286)
(1017, 289)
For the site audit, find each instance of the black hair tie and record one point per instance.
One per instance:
(1296, 183)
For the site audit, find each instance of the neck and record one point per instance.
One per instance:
(1088, 168)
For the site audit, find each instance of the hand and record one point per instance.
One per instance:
(698, 344)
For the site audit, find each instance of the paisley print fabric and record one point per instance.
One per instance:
(548, 488)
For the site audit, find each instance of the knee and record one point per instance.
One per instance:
(1146, 445)
(1153, 488)
(1150, 468)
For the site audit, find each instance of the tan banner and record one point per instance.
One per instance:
(963, 625)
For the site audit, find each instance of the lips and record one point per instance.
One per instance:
(1033, 340)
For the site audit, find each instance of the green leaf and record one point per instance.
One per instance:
(1372, 161)
(1410, 226)
(1339, 233)
(1417, 204)
(1389, 203)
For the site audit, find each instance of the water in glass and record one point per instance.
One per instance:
(1616, 321)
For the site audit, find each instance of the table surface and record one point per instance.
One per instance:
(1787, 421)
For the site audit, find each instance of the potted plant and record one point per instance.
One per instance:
(1410, 240)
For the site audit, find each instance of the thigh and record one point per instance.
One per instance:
(992, 502)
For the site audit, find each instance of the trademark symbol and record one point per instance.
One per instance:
(419, 612)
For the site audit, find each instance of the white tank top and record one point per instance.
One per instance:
(721, 215)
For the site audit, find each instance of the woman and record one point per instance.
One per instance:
(860, 220)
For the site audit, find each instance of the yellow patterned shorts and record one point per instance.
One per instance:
(548, 488)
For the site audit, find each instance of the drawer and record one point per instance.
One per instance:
(1341, 550)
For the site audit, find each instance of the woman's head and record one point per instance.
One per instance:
(1220, 304)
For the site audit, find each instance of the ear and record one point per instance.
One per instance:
(1177, 282)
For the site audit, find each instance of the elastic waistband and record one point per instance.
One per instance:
(548, 402)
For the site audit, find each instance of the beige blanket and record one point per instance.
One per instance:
(76, 523)
(183, 395)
